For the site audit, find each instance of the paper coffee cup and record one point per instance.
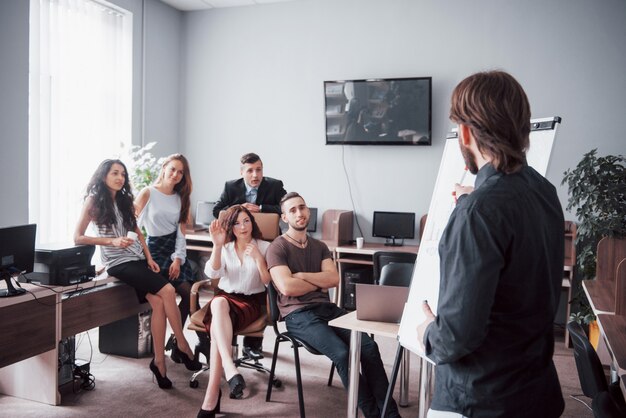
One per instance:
(359, 242)
(132, 235)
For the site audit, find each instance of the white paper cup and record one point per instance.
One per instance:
(132, 235)
(359, 242)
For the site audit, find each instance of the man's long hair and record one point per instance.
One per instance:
(495, 107)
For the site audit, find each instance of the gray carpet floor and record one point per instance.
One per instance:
(124, 387)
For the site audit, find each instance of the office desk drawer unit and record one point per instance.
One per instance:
(29, 350)
(99, 306)
(27, 329)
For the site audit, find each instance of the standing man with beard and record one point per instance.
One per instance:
(257, 194)
(501, 264)
(302, 271)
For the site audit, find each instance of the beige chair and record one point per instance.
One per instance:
(569, 266)
(268, 224)
(620, 288)
(255, 329)
(423, 225)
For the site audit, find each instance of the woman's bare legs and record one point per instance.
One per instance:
(222, 335)
(215, 378)
(167, 294)
(157, 329)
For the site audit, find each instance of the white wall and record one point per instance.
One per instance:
(13, 113)
(163, 30)
(162, 75)
(253, 76)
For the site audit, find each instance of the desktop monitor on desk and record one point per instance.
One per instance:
(394, 225)
(17, 255)
(204, 215)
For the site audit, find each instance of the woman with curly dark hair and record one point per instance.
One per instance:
(109, 205)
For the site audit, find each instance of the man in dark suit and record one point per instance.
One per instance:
(252, 190)
(257, 194)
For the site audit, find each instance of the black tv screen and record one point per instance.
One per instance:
(390, 111)
(394, 225)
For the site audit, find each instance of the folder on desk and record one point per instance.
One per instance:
(380, 303)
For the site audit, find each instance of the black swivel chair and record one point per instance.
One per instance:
(296, 343)
(382, 258)
(593, 381)
(396, 274)
(603, 406)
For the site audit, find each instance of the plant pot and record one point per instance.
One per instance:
(594, 334)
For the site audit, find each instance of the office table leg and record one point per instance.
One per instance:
(404, 378)
(425, 388)
(355, 362)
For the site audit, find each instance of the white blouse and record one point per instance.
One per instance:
(236, 276)
(161, 216)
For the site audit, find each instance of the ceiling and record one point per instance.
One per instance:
(189, 5)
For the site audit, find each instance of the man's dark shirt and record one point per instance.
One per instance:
(501, 270)
(269, 193)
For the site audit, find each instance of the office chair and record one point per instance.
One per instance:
(268, 225)
(382, 258)
(422, 225)
(590, 371)
(255, 329)
(397, 274)
(603, 406)
(296, 343)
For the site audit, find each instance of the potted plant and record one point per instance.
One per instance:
(143, 167)
(597, 192)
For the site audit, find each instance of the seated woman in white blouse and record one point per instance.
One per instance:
(238, 259)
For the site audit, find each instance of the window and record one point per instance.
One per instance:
(80, 104)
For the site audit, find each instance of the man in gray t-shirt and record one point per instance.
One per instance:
(302, 271)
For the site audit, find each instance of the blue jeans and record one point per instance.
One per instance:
(311, 325)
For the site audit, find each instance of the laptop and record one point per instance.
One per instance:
(380, 303)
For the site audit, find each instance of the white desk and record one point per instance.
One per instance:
(357, 327)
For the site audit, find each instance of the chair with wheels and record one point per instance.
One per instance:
(255, 329)
(593, 381)
(296, 343)
(382, 258)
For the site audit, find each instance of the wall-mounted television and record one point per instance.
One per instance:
(393, 226)
(389, 111)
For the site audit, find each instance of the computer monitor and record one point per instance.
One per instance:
(394, 225)
(312, 227)
(17, 255)
(204, 213)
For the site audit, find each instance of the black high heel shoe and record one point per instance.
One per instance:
(190, 363)
(237, 385)
(163, 381)
(203, 413)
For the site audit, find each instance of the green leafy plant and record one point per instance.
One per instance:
(597, 189)
(597, 192)
(143, 167)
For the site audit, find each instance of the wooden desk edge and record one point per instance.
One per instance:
(349, 321)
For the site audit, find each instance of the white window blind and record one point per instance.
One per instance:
(80, 105)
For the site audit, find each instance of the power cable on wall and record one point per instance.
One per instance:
(345, 170)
